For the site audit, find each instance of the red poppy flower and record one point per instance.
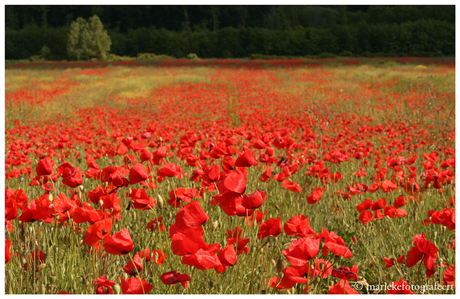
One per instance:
(315, 196)
(189, 241)
(389, 262)
(45, 167)
(146, 155)
(179, 196)
(259, 216)
(202, 259)
(137, 174)
(449, 276)
(134, 266)
(98, 231)
(64, 207)
(378, 204)
(11, 208)
(158, 257)
(342, 287)
(388, 186)
(302, 250)
(119, 244)
(38, 209)
(191, 215)
(292, 186)
(87, 213)
(271, 227)
(399, 202)
(334, 244)
(399, 287)
(174, 277)
(299, 226)
(254, 200)
(423, 249)
(365, 205)
(346, 273)
(66, 170)
(233, 181)
(291, 276)
(140, 200)
(7, 250)
(401, 259)
(102, 282)
(235, 238)
(75, 180)
(321, 268)
(159, 154)
(135, 285)
(111, 202)
(365, 217)
(169, 170)
(227, 258)
(267, 174)
(156, 224)
(247, 159)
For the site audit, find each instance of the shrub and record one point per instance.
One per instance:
(88, 40)
(193, 56)
(152, 56)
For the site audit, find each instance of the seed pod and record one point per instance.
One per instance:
(53, 278)
(160, 201)
(117, 289)
(279, 265)
(214, 225)
(41, 267)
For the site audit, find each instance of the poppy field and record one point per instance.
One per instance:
(249, 178)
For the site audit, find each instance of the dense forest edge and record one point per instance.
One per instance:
(257, 32)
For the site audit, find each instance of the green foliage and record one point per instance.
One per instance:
(152, 56)
(421, 38)
(88, 40)
(45, 52)
(36, 58)
(193, 56)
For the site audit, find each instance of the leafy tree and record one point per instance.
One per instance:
(88, 39)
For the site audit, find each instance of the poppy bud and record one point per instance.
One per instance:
(125, 276)
(100, 202)
(391, 276)
(41, 267)
(50, 196)
(279, 265)
(53, 278)
(160, 201)
(214, 225)
(273, 262)
(117, 289)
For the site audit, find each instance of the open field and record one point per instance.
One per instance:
(245, 179)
